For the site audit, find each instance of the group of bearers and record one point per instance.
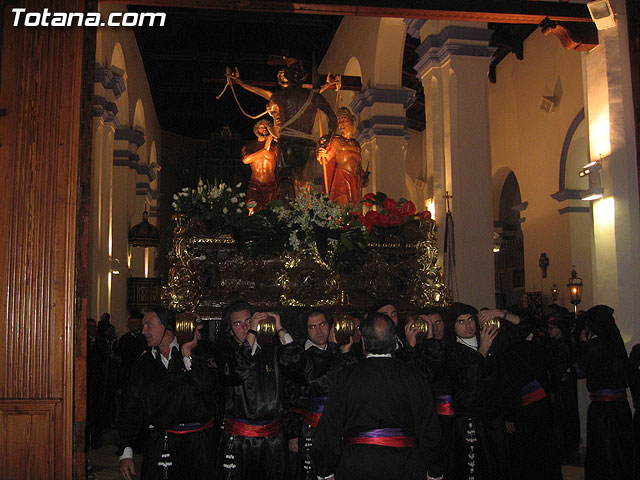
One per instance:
(470, 399)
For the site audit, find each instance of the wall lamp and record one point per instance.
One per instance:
(589, 168)
(602, 14)
(592, 194)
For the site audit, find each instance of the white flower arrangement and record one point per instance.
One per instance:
(216, 205)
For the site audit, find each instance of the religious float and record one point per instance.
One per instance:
(311, 252)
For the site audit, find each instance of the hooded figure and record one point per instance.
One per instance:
(480, 439)
(603, 360)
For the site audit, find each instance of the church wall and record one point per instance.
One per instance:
(377, 44)
(529, 142)
(128, 180)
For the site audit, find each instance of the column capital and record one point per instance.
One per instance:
(384, 125)
(453, 40)
(372, 95)
(413, 26)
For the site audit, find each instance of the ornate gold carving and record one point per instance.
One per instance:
(185, 285)
(208, 272)
(307, 280)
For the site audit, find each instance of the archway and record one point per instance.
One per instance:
(509, 246)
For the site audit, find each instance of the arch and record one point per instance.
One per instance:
(389, 51)
(509, 262)
(118, 66)
(139, 122)
(353, 68)
(574, 141)
(499, 178)
(153, 163)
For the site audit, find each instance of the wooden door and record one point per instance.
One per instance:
(43, 168)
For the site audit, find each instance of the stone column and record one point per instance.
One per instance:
(616, 217)
(453, 66)
(383, 135)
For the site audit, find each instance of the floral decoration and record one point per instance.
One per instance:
(310, 219)
(389, 216)
(218, 206)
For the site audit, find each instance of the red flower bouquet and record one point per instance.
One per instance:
(388, 213)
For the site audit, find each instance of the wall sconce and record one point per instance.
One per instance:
(115, 265)
(555, 292)
(592, 171)
(589, 168)
(602, 14)
(592, 194)
(575, 289)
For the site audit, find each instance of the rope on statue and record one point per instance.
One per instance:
(450, 251)
(230, 84)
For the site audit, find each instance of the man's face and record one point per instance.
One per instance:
(465, 326)
(438, 324)
(91, 328)
(240, 322)
(133, 324)
(553, 330)
(391, 311)
(263, 131)
(318, 329)
(282, 78)
(345, 125)
(152, 329)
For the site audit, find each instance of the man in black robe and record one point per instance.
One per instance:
(316, 372)
(379, 421)
(130, 346)
(602, 358)
(253, 443)
(172, 393)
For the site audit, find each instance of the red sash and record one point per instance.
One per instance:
(191, 427)
(242, 428)
(386, 437)
(532, 392)
(443, 405)
(608, 395)
(311, 418)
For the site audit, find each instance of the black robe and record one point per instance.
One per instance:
(563, 388)
(534, 453)
(429, 356)
(160, 398)
(378, 393)
(253, 391)
(480, 448)
(316, 372)
(609, 424)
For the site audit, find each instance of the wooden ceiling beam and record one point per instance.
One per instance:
(515, 12)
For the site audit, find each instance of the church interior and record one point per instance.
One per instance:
(485, 117)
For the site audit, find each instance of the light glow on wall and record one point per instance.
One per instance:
(430, 205)
(604, 214)
(599, 139)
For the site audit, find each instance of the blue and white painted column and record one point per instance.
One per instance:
(453, 66)
(383, 135)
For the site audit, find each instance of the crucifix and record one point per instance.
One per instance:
(294, 108)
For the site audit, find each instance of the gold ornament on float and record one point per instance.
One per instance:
(186, 324)
(266, 328)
